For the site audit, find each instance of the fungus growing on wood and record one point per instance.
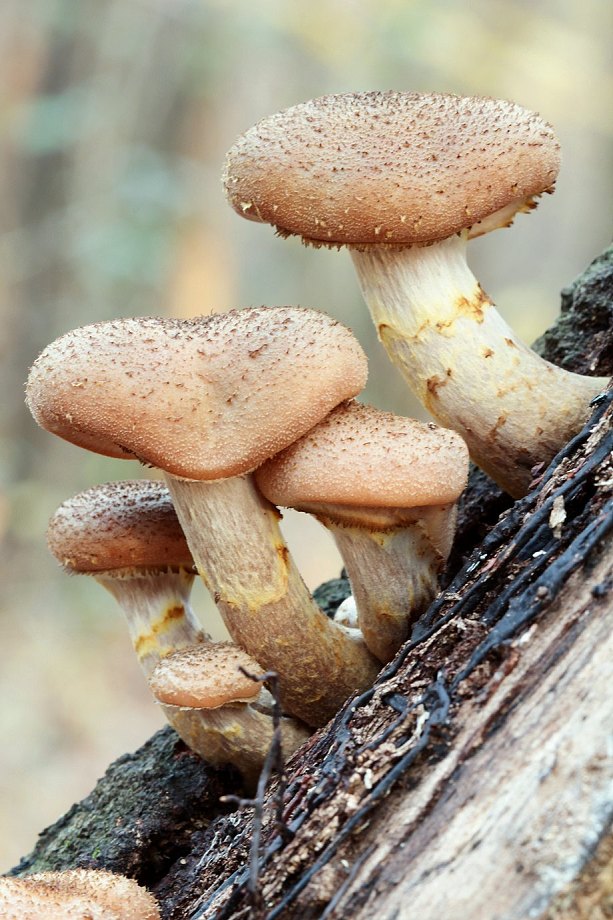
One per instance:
(386, 488)
(404, 180)
(206, 680)
(207, 401)
(127, 536)
(75, 894)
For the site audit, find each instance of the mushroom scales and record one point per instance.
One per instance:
(404, 180)
(207, 400)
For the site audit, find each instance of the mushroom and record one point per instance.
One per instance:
(127, 536)
(209, 680)
(75, 894)
(386, 488)
(207, 400)
(404, 180)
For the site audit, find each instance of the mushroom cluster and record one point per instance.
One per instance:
(247, 410)
(404, 180)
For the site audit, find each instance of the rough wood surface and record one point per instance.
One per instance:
(473, 779)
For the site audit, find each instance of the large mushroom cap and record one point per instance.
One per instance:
(395, 168)
(201, 399)
(205, 676)
(363, 456)
(119, 525)
(75, 894)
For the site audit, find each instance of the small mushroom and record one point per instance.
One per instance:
(207, 400)
(127, 536)
(404, 180)
(75, 894)
(386, 488)
(206, 679)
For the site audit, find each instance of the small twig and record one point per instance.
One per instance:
(273, 763)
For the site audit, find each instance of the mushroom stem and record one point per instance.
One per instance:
(157, 609)
(466, 365)
(233, 534)
(392, 558)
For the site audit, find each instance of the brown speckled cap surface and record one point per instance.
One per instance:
(363, 456)
(201, 399)
(75, 894)
(205, 676)
(389, 167)
(119, 525)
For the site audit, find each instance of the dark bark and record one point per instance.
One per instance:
(417, 792)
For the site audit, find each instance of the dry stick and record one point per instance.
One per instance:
(274, 763)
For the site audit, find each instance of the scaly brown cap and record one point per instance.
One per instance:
(205, 676)
(119, 525)
(205, 398)
(75, 894)
(396, 168)
(363, 456)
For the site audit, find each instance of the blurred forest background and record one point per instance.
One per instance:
(116, 115)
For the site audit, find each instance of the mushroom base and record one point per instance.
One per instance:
(240, 734)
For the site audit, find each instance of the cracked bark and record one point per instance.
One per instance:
(473, 779)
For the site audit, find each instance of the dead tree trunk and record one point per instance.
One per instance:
(473, 781)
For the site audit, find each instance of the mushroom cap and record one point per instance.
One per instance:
(205, 676)
(119, 525)
(387, 167)
(362, 456)
(205, 398)
(75, 894)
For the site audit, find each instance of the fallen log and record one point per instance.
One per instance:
(474, 779)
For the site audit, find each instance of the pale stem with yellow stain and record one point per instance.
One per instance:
(157, 609)
(393, 558)
(234, 537)
(466, 365)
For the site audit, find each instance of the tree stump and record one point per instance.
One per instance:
(474, 780)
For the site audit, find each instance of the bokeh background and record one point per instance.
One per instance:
(115, 118)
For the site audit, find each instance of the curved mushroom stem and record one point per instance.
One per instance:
(236, 733)
(233, 534)
(466, 365)
(393, 558)
(157, 609)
